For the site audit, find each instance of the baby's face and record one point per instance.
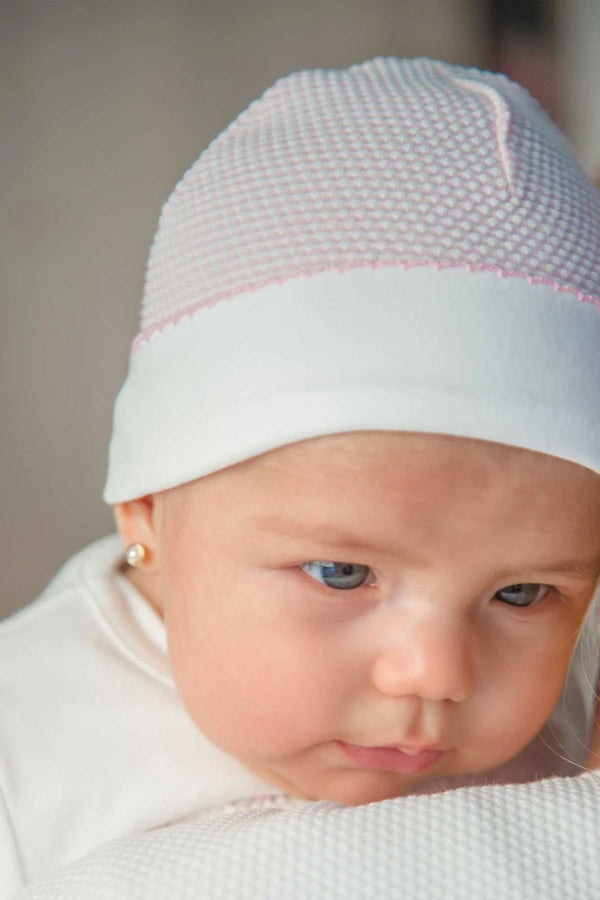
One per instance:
(351, 616)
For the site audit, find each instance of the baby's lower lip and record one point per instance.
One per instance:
(391, 759)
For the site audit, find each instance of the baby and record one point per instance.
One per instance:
(355, 470)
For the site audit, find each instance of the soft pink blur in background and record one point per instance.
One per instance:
(103, 106)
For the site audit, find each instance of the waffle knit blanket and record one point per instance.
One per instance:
(518, 841)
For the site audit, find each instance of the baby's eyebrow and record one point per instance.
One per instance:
(578, 568)
(339, 537)
(583, 568)
(316, 531)
(332, 535)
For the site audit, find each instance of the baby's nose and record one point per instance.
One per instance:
(429, 659)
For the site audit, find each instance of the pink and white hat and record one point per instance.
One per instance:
(401, 245)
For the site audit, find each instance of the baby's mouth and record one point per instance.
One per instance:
(400, 758)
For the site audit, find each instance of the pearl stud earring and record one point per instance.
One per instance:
(135, 554)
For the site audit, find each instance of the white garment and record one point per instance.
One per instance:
(95, 745)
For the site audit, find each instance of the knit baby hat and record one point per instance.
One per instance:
(401, 245)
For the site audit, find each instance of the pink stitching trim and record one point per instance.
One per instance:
(173, 319)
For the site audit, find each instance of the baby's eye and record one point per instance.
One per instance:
(339, 575)
(522, 594)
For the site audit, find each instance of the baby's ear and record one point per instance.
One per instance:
(136, 524)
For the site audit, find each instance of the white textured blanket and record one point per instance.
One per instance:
(530, 841)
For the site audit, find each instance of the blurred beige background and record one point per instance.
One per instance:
(103, 106)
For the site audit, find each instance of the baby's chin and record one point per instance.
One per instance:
(355, 787)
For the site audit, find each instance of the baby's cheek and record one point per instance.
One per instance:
(521, 702)
(257, 695)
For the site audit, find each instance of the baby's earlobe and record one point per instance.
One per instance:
(135, 524)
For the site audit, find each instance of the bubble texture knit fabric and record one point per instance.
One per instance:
(490, 843)
(391, 162)
(404, 245)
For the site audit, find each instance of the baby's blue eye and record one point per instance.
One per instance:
(522, 594)
(339, 575)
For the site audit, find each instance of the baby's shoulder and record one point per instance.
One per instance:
(47, 648)
(62, 608)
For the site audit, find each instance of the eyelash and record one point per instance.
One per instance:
(548, 590)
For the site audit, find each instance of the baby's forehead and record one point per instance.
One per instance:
(375, 446)
(369, 475)
(417, 456)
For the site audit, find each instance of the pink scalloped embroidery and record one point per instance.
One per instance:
(190, 311)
